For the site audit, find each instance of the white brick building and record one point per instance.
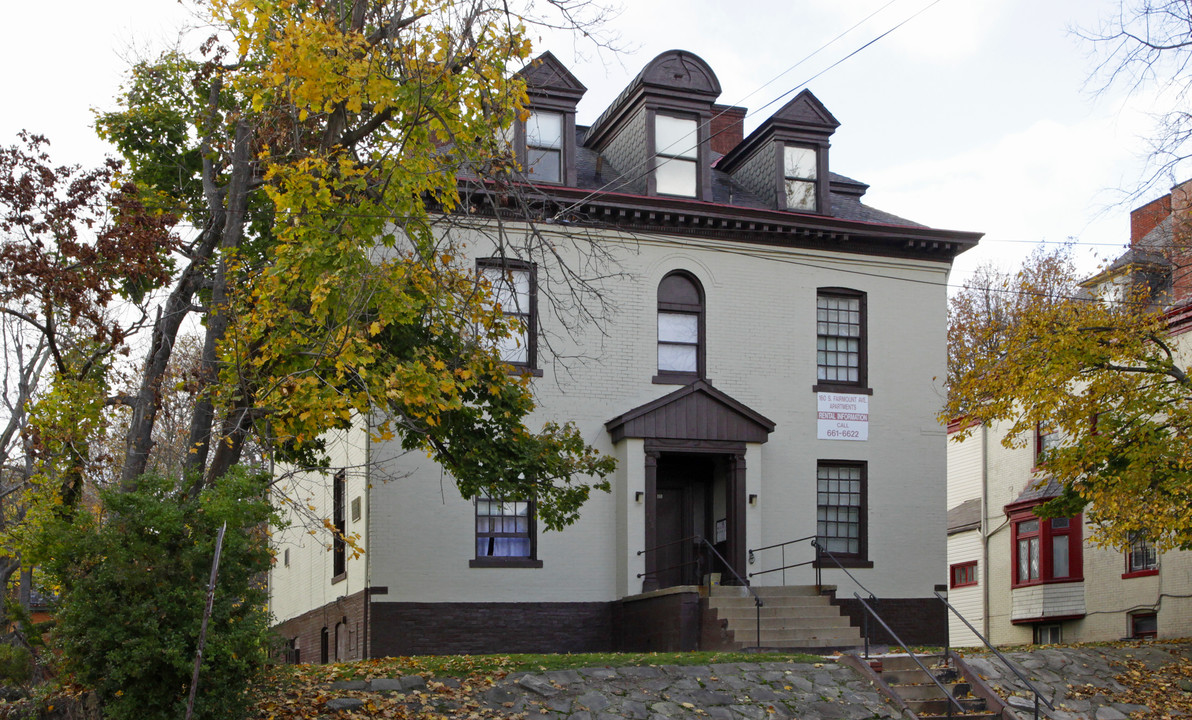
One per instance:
(712, 384)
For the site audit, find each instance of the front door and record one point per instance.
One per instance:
(685, 509)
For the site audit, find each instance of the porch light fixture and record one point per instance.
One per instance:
(637, 496)
(753, 500)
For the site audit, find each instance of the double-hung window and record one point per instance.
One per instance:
(840, 341)
(1046, 551)
(800, 170)
(840, 509)
(676, 150)
(1141, 559)
(339, 522)
(514, 290)
(505, 533)
(680, 329)
(544, 146)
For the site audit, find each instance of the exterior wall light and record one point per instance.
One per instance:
(637, 496)
(753, 500)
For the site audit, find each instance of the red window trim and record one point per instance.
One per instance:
(1139, 573)
(1045, 535)
(959, 566)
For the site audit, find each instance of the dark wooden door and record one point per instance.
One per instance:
(671, 529)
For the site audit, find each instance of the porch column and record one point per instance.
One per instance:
(650, 580)
(736, 512)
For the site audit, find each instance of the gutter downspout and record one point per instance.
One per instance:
(985, 529)
(367, 536)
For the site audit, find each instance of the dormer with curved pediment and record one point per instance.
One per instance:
(545, 141)
(785, 160)
(656, 133)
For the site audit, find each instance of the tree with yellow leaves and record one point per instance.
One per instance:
(1106, 373)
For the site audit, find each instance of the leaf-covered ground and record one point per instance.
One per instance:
(1166, 690)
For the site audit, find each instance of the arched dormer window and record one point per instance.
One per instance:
(680, 329)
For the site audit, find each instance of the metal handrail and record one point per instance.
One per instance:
(922, 667)
(1003, 658)
(825, 551)
(784, 567)
(655, 571)
(757, 600)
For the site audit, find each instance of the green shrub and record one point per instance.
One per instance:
(16, 665)
(133, 589)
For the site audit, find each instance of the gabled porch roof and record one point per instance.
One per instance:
(694, 412)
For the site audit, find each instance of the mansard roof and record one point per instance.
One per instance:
(804, 117)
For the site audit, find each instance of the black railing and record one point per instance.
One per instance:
(951, 698)
(698, 540)
(1003, 658)
(822, 552)
(784, 566)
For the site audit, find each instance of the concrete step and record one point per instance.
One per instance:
(938, 707)
(788, 622)
(906, 662)
(768, 591)
(798, 636)
(930, 691)
(769, 611)
(916, 676)
(773, 601)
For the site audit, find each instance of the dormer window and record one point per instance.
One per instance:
(544, 147)
(799, 177)
(676, 148)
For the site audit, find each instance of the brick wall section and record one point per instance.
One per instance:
(1145, 218)
(728, 127)
(307, 629)
(484, 628)
(664, 623)
(918, 621)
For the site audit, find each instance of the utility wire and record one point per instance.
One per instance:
(639, 170)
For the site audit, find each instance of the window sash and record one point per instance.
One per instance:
(512, 289)
(504, 528)
(839, 325)
(839, 509)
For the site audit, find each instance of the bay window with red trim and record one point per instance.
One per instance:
(1045, 551)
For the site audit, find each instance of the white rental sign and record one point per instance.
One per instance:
(842, 417)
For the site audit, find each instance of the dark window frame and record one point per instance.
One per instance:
(962, 574)
(339, 522)
(664, 154)
(1046, 532)
(784, 198)
(673, 305)
(861, 385)
(506, 561)
(1134, 619)
(860, 559)
(511, 265)
(524, 146)
(1044, 440)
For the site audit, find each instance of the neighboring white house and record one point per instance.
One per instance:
(1022, 579)
(771, 371)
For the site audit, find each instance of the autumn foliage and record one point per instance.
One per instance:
(1106, 373)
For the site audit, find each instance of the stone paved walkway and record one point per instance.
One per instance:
(734, 691)
(1053, 670)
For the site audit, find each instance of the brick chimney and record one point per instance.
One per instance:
(1145, 218)
(1180, 252)
(728, 127)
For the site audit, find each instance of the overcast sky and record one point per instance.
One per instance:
(973, 115)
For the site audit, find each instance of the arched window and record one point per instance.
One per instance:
(680, 329)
